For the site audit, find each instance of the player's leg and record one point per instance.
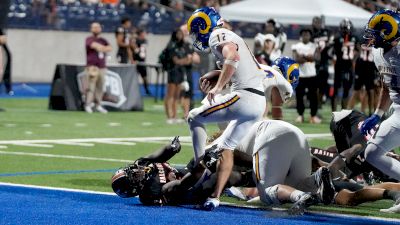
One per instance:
(271, 163)
(237, 106)
(347, 85)
(346, 197)
(92, 73)
(336, 86)
(385, 139)
(300, 92)
(99, 93)
(358, 84)
(313, 98)
(231, 136)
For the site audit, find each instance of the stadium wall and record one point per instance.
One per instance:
(36, 52)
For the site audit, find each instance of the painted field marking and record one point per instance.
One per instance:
(222, 203)
(116, 143)
(185, 140)
(55, 172)
(63, 156)
(34, 145)
(74, 143)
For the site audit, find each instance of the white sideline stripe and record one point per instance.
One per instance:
(222, 203)
(56, 188)
(116, 143)
(33, 145)
(74, 143)
(3, 147)
(64, 156)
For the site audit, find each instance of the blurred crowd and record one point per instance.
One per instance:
(374, 5)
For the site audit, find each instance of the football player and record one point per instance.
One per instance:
(281, 79)
(344, 46)
(382, 32)
(242, 107)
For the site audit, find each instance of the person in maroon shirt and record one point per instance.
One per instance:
(96, 50)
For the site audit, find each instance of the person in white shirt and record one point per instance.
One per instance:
(304, 54)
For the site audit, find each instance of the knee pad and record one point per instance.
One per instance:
(270, 195)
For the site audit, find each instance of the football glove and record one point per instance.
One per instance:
(370, 123)
(211, 157)
(176, 145)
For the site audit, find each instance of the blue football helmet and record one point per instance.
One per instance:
(200, 25)
(289, 69)
(382, 28)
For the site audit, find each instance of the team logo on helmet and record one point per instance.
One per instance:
(200, 25)
(382, 28)
(289, 69)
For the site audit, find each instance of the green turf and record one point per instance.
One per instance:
(30, 119)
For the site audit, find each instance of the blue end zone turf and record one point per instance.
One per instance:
(26, 205)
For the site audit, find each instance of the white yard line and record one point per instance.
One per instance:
(116, 143)
(63, 156)
(185, 140)
(33, 145)
(74, 143)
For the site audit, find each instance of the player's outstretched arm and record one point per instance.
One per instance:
(165, 153)
(383, 105)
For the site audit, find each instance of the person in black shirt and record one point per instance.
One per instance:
(122, 35)
(322, 39)
(365, 76)
(344, 47)
(140, 56)
(181, 57)
(7, 69)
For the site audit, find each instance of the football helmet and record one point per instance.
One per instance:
(382, 28)
(129, 181)
(200, 25)
(346, 26)
(289, 69)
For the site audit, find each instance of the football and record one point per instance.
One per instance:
(211, 77)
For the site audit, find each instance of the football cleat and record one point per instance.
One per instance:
(302, 204)
(211, 204)
(326, 190)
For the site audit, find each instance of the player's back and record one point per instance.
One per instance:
(273, 78)
(248, 73)
(388, 65)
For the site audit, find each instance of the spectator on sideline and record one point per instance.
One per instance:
(140, 56)
(122, 35)
(181, 58)
(96, 50)
(187, 85)
(268, 53)
(304, 54)
(276, 29)
(323, 40)
(6, 71)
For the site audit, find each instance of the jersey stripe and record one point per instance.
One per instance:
(220, 106)
(257, 167)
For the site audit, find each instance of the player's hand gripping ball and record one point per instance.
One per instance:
(209, 80)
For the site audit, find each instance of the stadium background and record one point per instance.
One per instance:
(40, 147)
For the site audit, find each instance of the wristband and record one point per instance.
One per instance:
(232, 63)
(379, 112)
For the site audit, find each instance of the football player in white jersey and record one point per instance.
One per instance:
(242, 107)
(279, 83)
(383, 33)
